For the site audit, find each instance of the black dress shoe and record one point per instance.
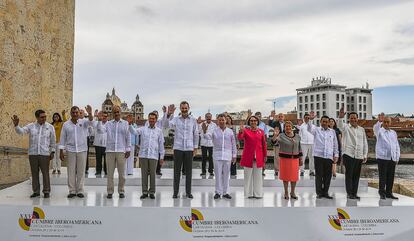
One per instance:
(202, 174)
(189, 195)
(46, 195)
(382, 196)
(159, 173)
(226, 196)
(121, 195)
(216, 196)
(327, 196)
(97, 174)
(357, 197)
(312, 174)
(319, 196)
(109, 196)
(152, 196)
(80, 195)
(71, 195)
(175, 196)
(34, 195)
(211, 174)
(276, 173)
(350, 196)
(143, 196)
(392, 197)
(302, 173)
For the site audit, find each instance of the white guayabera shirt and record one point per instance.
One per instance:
(42, 140)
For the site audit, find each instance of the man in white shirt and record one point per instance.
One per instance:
(185, 145)
(224, 152)
(42, 142)
(118, 149)
(306, 144)
(207, 146)
(325, 152)
(280, 125)
(100, 145)
(355, 151)
(73, 140)
(152, 147)
(387, 151)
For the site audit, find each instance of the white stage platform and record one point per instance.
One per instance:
(202, 218)
(167, 179)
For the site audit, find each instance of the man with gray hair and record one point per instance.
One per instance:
(387, 152)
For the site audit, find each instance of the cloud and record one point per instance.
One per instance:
(233, 55)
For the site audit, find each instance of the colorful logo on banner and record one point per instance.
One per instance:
(187, 222)
(25, 220)
(335, 220)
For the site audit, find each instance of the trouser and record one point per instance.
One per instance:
(116, 160)
(183, 158)
(207, 155)
(253, 181)
(76, 171)
(87, 155)
(222, 173)
(386, 171)
(307, 151)
(38, 162)
(276, 158)
(56, 162)
(233, 169)
(352, 173)
(158, 165)
(130, 162)
(100, 153)
(323, 175)
(148, 167)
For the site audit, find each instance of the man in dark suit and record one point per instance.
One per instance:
(278, 123)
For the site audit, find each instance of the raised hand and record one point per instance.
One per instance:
(63, 112)
(241, 127)
(96, 112)
(199, 120)
(312, 115)
(381, 117)
(15, 120)
(88, 109)
(276, 131)
(342, 113)
(164, 109)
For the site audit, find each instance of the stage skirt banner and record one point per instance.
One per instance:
(129, 223)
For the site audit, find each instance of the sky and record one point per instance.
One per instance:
(238, 54)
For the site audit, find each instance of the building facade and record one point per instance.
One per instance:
(137, 108)
(325, 98)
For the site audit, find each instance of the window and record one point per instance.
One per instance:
(323, 96)
(317, 113)
(317, 97)
(365, 116)
(343, 97)
(360, 114)
(347, 99)
(300, 107)
(300, 99)
(337, 105)
(337, 97)
(352, 99)
(311, 105)
(352, 108)
(347, 107)
(306, 98)
(343, 105)
(323, 105)
(360, 99)
(365, 107)
(337, 114)
(365, 99)
(318, 106)
(306, 107)
(311, 98)
(360, 107)
(324, 113)
(300, 116)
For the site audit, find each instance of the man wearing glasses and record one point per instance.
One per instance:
(42, 142)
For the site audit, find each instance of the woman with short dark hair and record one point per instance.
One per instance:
(253, 157)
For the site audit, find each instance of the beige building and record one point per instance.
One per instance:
(36, 71)
(137, 108)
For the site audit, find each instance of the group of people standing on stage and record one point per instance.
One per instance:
(115, 139)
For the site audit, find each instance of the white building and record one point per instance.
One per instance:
(325, 98)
